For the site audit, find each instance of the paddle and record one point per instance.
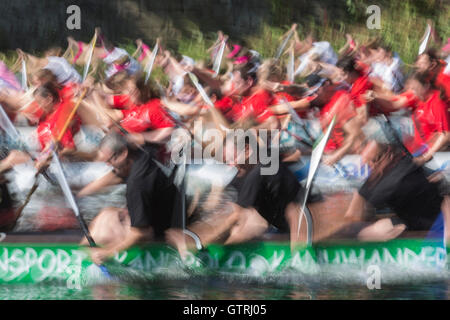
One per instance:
(290, 66)
(71, 200)
(200, 89)
(423, 45)
(86, 67)
(283, 44)
(179, 183)
(218, 60)
(316, 156)
(296, 118)
(24, 76)
(151, 62)
(71, 115)
(392, 132)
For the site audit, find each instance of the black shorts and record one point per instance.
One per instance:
(270, 194)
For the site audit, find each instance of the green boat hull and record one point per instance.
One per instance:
(69, 263)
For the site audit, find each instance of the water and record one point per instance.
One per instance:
(329, 283)
(213, 289)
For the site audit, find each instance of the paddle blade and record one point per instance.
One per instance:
(218, 60)
(317, 152)
(151, 62)
(200, 89)
(283, 45)
(423, 45)
(316, 155)
(91, 53)
(290, 66)
(24, 76)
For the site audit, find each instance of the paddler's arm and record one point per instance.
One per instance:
(282, 108)
(207, 78)
(153, 136)
(293, 28)
(353, 131)
(109, 179)
(182, 109)
(14, 101)
(271, 123)
(389, 101)
(220, 37)
(441, 140)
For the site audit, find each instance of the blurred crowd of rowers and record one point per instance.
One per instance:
(294, 96)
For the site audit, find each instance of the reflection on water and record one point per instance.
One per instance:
(221, 289)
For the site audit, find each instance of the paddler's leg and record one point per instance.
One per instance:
(206, 232)
(15, 157)
(216, 228)
(109, 226)
(249, 226)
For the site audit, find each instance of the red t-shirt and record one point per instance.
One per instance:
(149, 116)
(359, 88)
(122, 102)
(49, 129)
(429, 117)
(52, 125)
(411, 99)
(280, 98)
(68, 91)
(257, 105)
(225, 105)
(362, 67)
(34, 112)
(340, 105)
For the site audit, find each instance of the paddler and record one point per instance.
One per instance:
(151, 199)
(53, 105)
(397, 182)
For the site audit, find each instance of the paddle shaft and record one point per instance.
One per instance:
(27, 200)
(71, 115)
(283, 44)
(85, 230)
(392, 132)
